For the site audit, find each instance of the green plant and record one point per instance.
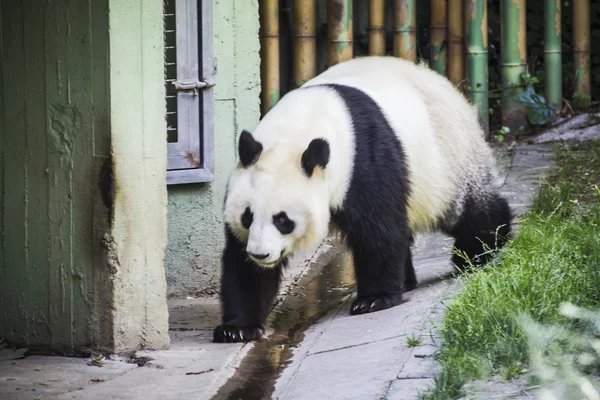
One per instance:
(554, 259)
(413, 341)
(502, 133)
(539, 112)
(581, 101)
(564, 359)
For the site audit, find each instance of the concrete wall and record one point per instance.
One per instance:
(138, 129)
(195, 226)
(82, 182)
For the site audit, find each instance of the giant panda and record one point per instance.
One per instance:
(381, 147)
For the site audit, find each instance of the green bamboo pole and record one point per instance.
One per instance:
(376, 28)
(405, 29)
(513, 55)
(339, 26)
(476, 36)
(305, 41)
(552, 52)
(439, 36)
(456, 59)
(269, 49)
(581, 45)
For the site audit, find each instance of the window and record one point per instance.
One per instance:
(189, 70)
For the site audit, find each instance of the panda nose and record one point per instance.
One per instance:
(258, 256)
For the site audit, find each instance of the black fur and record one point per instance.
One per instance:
(283, 223)
(373, 216)
(247, 293)
(248, 149)
(484, 223)
(247, 218)
(316, 155)
(410, 278)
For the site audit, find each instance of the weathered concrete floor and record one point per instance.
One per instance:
(193, 367)
(341, 357)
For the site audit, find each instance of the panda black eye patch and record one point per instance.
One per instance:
(283, 223)
(247, 218)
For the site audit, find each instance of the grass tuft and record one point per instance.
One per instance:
(413, 341)
(554, 259)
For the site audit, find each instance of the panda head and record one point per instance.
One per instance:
(277, 198)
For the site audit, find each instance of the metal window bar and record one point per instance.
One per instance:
(189, 71)
(170, 71)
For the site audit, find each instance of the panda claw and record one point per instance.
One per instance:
(368, 304)
(234, 334)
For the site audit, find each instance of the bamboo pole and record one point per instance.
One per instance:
(476, 34)
(339, 26)
(439, 36)
(269, 49)
(376, 28)
(405, 29)
(305, 41)
(552, 52)
(456, 62)
(513, 55)
(581, 45)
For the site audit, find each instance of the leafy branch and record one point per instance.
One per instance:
(539, 111)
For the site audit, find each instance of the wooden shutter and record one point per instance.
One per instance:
(189, 70)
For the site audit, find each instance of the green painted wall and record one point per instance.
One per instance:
(195, 227)
(82, 234)
(54, 122)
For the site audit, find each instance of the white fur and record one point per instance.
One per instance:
(437, 127)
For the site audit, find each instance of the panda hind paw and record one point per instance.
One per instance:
(410, 287)
(368, 304)
(234, 334)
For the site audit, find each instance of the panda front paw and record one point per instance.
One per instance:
(368, 304)
(235, 334)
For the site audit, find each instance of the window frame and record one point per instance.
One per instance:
(191, 158)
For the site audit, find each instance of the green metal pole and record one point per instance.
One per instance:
(439, 36)
(513, 57)
(552, 52)
(476, 36)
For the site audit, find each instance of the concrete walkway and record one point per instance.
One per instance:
(192, 368)
(367, 356)
(341, 356)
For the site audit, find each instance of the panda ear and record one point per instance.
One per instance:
(248, 149)
(316, 155)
